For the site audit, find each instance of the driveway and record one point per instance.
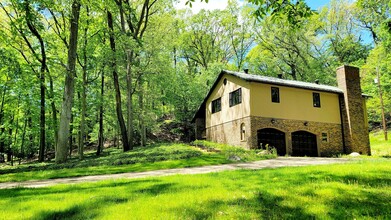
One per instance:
(272, 163)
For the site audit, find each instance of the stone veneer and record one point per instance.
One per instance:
(333, 146)
(352, 110)
(230, 133)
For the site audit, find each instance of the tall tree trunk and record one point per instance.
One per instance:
(118, 101)
(17, 122)
(42, 140)
(54, 110)
(129, 97)
(66, 110)
(9, 142)
(84, 90)
(23, 136)
(70, 138)
(2, 129)
(100, 136)
(42, 60)
(142, 114)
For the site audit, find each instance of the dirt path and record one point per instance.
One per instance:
(273, 163)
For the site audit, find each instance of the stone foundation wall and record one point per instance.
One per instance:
(333, 146)
(230, 133)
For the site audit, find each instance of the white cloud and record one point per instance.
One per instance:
(198, 5)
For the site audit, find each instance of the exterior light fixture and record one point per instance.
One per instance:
(306, 123)
(273, 121)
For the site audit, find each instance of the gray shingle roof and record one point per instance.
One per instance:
(284, 82)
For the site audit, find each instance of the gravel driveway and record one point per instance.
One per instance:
(272, 163)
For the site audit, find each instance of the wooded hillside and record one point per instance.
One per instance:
(79, 73)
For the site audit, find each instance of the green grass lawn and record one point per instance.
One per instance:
(358, 190)
(379, 146)
(153, 157)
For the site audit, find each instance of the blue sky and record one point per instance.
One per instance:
(316, 4)
(221, 4)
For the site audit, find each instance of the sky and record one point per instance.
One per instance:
(222, 4)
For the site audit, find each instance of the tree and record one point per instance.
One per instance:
(33, 24)
(341, 33)
(65, 117)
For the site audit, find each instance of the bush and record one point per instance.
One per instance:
(235, 153)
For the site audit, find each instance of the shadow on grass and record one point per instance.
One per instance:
(16, 193)
(87, 210)
(155, 189)
(367, 204)
(262, 206)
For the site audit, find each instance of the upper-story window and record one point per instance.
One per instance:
(235, 97)
(216, 105)
(316, 99)
(275, 92)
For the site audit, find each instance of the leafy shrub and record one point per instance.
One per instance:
(233, 152)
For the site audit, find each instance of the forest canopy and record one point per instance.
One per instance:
(79, 73)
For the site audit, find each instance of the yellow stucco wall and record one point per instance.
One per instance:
(295, 103)
(227, 114)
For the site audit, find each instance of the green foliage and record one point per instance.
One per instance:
(233, 152)
(356, 190)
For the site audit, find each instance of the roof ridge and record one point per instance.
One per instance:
(284, 82)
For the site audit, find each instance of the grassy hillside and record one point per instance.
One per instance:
(153, 157)
(379, 146)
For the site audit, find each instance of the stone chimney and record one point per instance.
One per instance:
(356, 136)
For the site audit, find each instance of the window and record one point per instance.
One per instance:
(216, 105)
(316, 99)
(325, 137)
(242, 132)
(275, 94)
(235, 97)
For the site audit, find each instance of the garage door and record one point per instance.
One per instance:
(304, 144)
(272, 137)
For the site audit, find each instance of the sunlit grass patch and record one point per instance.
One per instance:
(379, 146)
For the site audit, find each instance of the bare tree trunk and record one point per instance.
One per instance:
(100, 136)
(17, 123)
(66, 110)
(129, 97)
(118, 101)
(9, 142)
(35, 32)
(23, 136)
(2, 129)
(84, 92)
(54, 110)
(70, 138)
(42, 140)
(142, 114)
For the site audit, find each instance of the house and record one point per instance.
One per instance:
(297, 118)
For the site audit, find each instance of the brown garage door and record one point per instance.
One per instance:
(304, 144)
(273, 138)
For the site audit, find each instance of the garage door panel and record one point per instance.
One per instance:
(304, 144)
(273, 138)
